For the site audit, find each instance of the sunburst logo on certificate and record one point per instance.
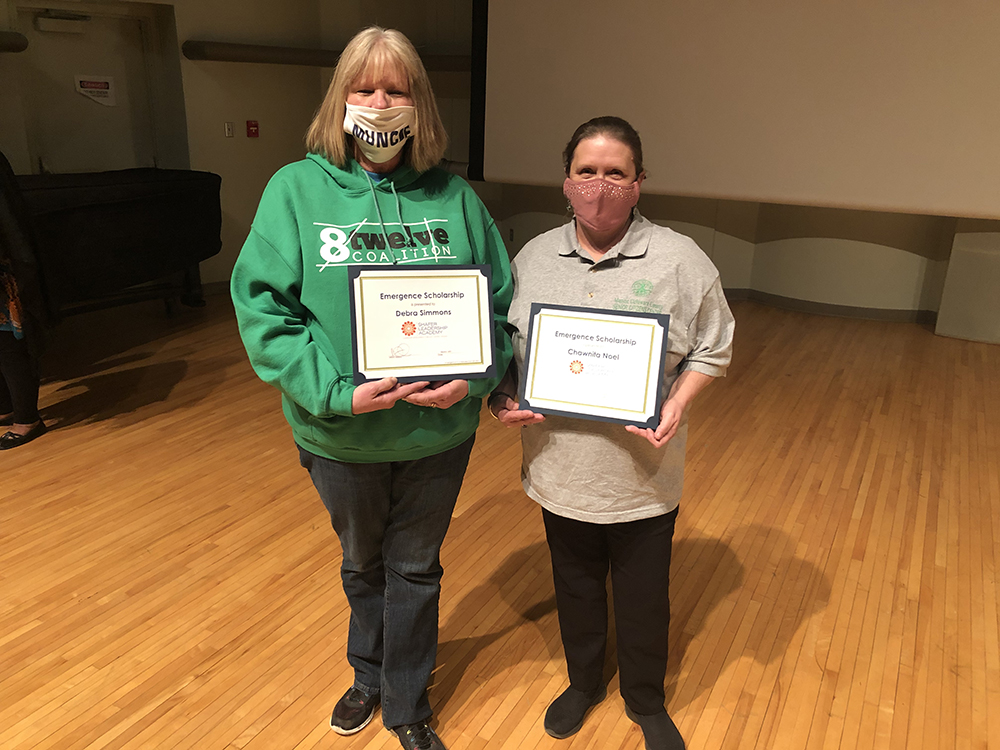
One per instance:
(409, 328)
(576, 367)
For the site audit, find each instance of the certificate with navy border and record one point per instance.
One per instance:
(595, 364)
(422, 322)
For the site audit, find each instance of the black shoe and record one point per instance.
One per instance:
(659, 730)
(566, 713)
(12, 440)
(354, 710)
(418, 736)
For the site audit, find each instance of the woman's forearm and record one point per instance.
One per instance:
(688, 385)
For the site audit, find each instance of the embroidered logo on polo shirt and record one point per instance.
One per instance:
(642, 288)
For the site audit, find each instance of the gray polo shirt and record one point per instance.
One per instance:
(596, 471)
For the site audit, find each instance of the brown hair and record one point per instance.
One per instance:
(610, 127)
(375, 49)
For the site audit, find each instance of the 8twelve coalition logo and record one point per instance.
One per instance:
(364, 242)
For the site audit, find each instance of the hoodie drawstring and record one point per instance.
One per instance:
(399, 214)
(378, 210)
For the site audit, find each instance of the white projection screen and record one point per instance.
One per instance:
(868, 104)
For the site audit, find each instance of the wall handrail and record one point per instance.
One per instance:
(12, 41)
(197, 49)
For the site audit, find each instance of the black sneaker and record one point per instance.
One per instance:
(566, 713)
(418, 736)
(354, 710)
(658, 730)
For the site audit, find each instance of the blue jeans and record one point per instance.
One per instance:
(391, 519)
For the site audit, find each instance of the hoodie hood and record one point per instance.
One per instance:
(354, 180)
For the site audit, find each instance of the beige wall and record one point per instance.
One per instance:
(282, 98)
(876, 105)
(442, 27)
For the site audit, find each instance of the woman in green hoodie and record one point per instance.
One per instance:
(386, 458)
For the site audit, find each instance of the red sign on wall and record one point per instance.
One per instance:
(100, 89)
(253, 129)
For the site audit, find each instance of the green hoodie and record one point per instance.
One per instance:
(290, 291)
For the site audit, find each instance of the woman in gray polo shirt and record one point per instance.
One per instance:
(609, 494)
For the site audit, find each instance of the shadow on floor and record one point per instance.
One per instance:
(98, 366)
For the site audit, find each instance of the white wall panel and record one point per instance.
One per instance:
(842, 272)
(970, 305)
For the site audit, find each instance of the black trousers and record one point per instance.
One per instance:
(638, 555)
(19, 384)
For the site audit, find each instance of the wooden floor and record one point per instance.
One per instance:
(169, 578)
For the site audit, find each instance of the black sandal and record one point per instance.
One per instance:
(12, 440)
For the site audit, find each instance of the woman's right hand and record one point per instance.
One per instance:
(508, 411)
(382, 394)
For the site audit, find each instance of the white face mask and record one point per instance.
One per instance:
(379, 133)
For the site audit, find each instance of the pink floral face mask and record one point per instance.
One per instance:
(601, 205)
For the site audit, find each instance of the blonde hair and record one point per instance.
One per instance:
(374, 50)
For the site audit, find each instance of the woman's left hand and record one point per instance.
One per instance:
(440, 394)
(670, 420)
(688, 385)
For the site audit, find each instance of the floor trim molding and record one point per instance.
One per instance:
(928, 317)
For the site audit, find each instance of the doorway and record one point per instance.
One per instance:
(86, 91)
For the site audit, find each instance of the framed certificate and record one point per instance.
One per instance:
(422, 322)
(595, 364)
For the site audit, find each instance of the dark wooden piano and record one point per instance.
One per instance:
(109, 238)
